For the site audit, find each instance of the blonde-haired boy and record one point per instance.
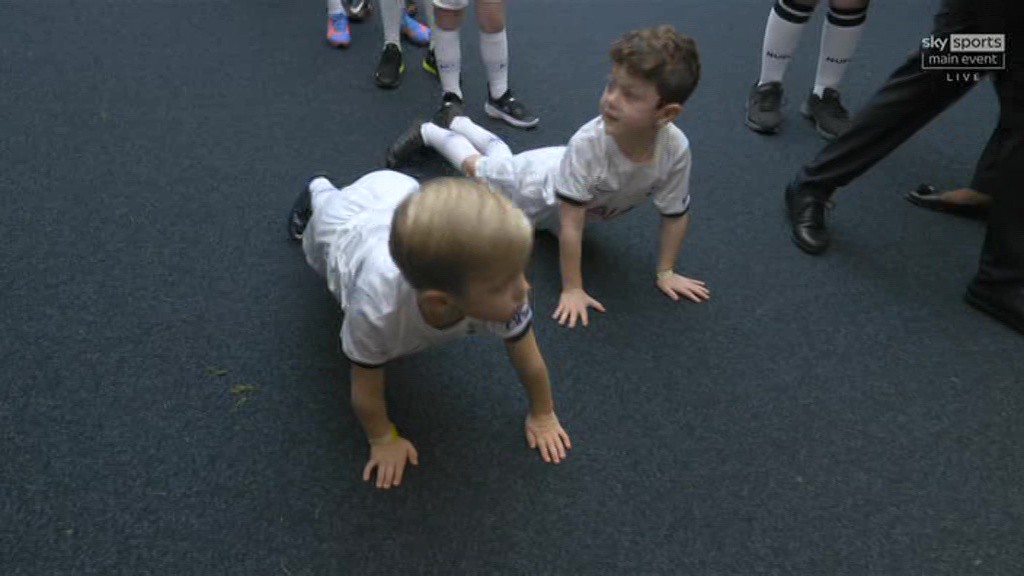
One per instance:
(414, 267)
(613, 163)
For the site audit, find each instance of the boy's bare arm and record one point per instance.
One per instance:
(670, 239)
(570, 244)
(533, 372)
(389, 452)
(368, 401)
(574, 301)
(543, 430)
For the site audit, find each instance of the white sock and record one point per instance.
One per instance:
(454, 147)
(781, 36)
(449, 60)
(839, 38)
(428, 14)
(488, 143)
(391, 20)
(335, 6)
(317, 188)
(494, 52)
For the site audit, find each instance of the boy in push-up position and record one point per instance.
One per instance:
(413, 267)
(631, 151)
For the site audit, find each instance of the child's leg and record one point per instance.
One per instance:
(840, 35)
(785, 25)
(447, 50)
(488, 143)
(391, 20)
(490, 16)
(455, 148)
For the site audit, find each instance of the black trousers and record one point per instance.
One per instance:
(912, 97)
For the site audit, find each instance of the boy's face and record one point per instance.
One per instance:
(631, 104)
(495, 298)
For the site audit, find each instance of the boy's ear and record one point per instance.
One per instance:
(435, 300)
(668, 113)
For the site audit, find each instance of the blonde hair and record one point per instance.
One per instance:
(455, 228)
(663, 56)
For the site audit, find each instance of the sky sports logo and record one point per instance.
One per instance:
(964, 52)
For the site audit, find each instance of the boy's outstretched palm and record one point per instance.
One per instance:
(573, 304)
(389, 459)
(546, 434)
(677, 285)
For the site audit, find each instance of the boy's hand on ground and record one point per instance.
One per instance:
(389, 459)
(676, 285)
(546, 434)
(573, 304)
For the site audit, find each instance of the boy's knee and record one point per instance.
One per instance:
(848, 4)
(469, 165)
(490, 16)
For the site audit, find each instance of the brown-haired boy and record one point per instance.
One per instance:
(414, 267)
(615, 161)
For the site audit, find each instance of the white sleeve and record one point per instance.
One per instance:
(672, 198)
(362, 340)
(577, 172)
(516, 327)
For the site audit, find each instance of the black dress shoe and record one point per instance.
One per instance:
(1004, 302)
(807, 217)
(406, 146)
(926, 196)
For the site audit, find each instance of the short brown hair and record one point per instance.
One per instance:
(454, 228)
(663, 56)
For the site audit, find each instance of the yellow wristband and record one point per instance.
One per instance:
(388, 438)
(662, 274)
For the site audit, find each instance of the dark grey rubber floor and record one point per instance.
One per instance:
(173, 398)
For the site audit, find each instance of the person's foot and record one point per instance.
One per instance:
(414, 31)
(302, 209)
(1002, 301)
(451, 106)
(965, 202)
(360, 9)
(390, 68)
(806, 213)
(764, 108)
(405, 147)
(338, 34)
(430, 62)
(827, 113)
(511, 110)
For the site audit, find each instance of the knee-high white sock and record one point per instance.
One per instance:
(428, 14)
(494, 53)
(488, 143)
(317, 188)
(454, 147)
(448, 53)
(391, 20)
(839, 38)
(781, 36)
(335, 6)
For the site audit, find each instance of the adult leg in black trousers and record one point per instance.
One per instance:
(998, 287)
(909, 99)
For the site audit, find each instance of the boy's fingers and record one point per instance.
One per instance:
(414, 456)
(398, 474)
(597, 305)
(368, 469)
(565, 438)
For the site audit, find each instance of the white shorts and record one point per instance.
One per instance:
(451, 4)
(335, 211)
(461, 4)
(527, 180)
